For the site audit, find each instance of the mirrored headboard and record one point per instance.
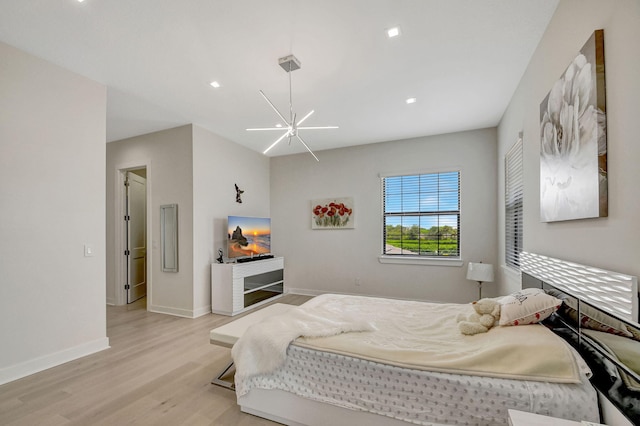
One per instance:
(612, 292)
(599, 317)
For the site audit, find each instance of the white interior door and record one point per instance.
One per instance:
(136, 237)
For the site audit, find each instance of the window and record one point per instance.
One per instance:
(421, 215)
(513, 204)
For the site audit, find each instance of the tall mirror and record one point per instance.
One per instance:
(169, 237)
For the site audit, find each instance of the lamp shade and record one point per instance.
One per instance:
(480, 272)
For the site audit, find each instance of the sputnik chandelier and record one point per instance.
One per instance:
(290, 63)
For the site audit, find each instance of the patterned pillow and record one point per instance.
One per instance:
(527, 306)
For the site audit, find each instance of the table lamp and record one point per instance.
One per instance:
(480, 272)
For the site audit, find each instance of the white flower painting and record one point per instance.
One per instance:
(573, 142)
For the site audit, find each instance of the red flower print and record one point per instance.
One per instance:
(331, 215)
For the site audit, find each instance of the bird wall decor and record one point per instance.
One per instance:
(239, 192)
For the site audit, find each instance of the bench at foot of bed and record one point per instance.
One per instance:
(228, 334)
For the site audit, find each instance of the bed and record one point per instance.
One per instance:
(363, 362)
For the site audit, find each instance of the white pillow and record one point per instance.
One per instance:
(527, 306)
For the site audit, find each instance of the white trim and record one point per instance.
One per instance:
(314, 293)
(423, 171)
(184, 313)
(304, 292)
(202, 311)
(419, 260)
(32, 366)
(120, 269)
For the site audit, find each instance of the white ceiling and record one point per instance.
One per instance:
(461, 59)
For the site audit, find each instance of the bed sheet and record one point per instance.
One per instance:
(421, 397)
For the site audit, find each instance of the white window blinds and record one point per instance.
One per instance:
(513, 204)
(421, 215)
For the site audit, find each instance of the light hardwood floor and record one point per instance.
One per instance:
(157, 372)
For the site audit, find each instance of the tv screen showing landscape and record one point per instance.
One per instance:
(248, 236)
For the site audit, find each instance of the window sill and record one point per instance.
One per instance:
(417, 260)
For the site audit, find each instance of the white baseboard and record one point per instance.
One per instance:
(184, 313)
(111, 301)
(26, 368)
(202, 311)
(309, 292)
(304, 291)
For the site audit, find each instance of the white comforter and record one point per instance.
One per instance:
(408, 334)
(263, 347)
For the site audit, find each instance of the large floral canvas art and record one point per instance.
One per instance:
(573, 140)
(332, 213)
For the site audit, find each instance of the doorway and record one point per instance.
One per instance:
(135, 225)
(132, 255)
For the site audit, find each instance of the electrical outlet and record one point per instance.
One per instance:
(88, 250)
(357, 282)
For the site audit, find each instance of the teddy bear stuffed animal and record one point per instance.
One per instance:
(487, 313)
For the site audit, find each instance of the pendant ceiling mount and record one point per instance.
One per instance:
(289, 64)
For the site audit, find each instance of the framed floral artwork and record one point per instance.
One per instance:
(573, 139)
(332, 213)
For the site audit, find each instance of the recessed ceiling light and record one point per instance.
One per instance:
(214, 84)
(411, 100)
(393, 32)
(80, 1)
(278, 125)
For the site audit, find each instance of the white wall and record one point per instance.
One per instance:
(52, 187)
(217, 165)
(319, 261)
(611, 243)
(196, 169)
(168, 155)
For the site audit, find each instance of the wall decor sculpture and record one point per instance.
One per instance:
(239, 193)
(573, 139)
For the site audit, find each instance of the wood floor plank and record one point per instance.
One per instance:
(24, 410)
(35, 419)
(157, 372)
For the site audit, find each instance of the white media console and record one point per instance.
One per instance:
(238, 287)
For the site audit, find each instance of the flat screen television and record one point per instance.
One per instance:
(248, 236)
